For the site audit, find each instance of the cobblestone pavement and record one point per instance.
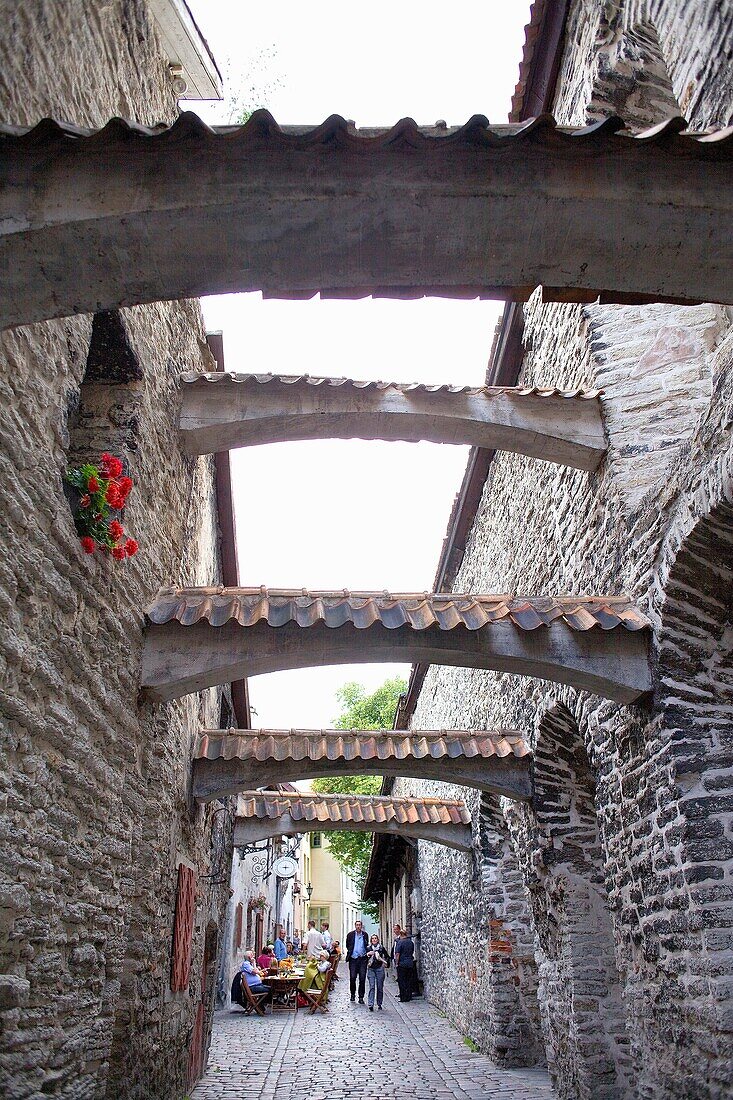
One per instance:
(353, 1054)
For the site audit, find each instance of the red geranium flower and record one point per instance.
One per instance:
(116, 530)
(112, 496)
(131, 547)
(88, 545)
(118, 552)
(93, 484)
(111, 466)
(125, 484)
(85, 501)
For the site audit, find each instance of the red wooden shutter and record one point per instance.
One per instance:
(238, 926)
(183, 928)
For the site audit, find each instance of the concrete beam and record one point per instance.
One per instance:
(223, 411)
(95, 221)
(180, 659)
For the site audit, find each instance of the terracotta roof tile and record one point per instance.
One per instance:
(417, 610)
(262, 131)
(263, 745)
(532, 33)
(230, 378)
(335, 808)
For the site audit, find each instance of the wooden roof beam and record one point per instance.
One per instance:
(229, 761)
(93, 221)
(223, 411)
(201, 637)
(260, 816)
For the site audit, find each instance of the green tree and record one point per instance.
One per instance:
(369, 712)
(360, 711)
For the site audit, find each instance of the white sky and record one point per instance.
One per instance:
(352, 514)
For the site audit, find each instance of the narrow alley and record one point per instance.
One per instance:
(352, 1054)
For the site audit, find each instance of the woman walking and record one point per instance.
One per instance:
(378, 961)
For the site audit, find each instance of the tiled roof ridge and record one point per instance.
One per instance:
(261, 128)
(419, 610)
(242, 378)
(382, 594)
(365, 799)
(330, 809)
(295, 731)
(363, 745)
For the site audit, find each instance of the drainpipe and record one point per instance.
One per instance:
(227, 528)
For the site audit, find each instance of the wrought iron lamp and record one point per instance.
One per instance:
(309, 891)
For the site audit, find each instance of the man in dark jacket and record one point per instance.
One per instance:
(357, 945)
(404, 957)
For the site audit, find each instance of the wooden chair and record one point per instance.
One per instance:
(316, 997)
(252, 1002)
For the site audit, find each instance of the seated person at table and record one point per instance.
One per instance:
(266, 958)
(290, 952)
(335, 959)
(315, 972)
(252, 976)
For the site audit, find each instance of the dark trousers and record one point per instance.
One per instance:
(262, 988)
(357, 969)
(404, 981)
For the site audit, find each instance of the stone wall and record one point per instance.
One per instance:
(631, 915)
(96, 808)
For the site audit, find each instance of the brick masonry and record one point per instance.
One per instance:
(625, 852)
(96, 810)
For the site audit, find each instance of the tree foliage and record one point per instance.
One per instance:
(360, 711)
(365, 712)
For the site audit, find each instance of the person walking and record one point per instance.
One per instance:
(377, 963)
(357, 945)
(404, 957)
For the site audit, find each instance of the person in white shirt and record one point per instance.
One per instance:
(326, 936)
(313, 941)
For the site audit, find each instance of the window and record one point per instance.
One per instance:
(316, 840)
(183, 928)
(319, 913)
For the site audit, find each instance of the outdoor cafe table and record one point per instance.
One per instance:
(285, 986)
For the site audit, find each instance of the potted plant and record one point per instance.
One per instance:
(99, 494)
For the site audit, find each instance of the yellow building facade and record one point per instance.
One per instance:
(333, 895)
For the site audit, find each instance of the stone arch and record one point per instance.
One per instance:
(513, 1017)
(559, 848)
(632, 80)
(654, 364)
(688, 930)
